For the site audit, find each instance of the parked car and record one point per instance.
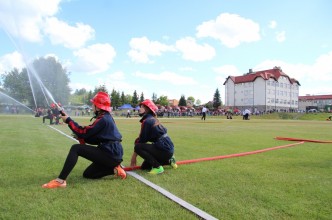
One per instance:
(313, 110)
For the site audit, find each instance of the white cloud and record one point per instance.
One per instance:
(120, 85)
(314, 79)
(169, 77)
(33, 20)
(224, 71)
(24, 19)
(79, 86)
(94, 59)
(230, 29)
(227, 70)
(142, 48)
(10, 61)
(281, 36)
(61, 33)
(187, 69)
(193, 51)
(117, 76)
(272, 24)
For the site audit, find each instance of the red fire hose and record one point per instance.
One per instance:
(224, 156)
(299, 139)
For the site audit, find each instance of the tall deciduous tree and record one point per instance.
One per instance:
(16, 84)
(163, 100)
(54, 77)
(42, 82)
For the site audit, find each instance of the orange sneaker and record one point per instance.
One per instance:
(54, 184)
(118, 171)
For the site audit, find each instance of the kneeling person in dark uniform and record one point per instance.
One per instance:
(161, 149)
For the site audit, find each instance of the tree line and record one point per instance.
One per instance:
(45, 80)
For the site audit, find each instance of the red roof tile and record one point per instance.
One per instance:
(274, 73)
(315, 97)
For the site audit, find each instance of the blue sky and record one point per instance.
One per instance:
(171, 48)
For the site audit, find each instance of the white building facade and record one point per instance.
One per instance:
(267, 90)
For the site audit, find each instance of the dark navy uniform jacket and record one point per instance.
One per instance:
(103, 132)
(155, 133)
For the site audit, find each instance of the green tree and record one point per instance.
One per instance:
(141, 98)
(53, 76)
(163, 100)
(192, 99)
(182, 101)
(123, 98)
(116, 99)
(101, 88)
(134, 100)
(128, 99)
(16, 84)
(216, 99)
(80, 91)
(89, 97)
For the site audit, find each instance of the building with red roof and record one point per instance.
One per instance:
(319, 102)
(265, 90)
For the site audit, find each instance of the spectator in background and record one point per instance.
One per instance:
(204, 110)
(246, 114)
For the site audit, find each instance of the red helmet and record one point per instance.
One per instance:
(52, 105)
(102, 101)
(148, 103)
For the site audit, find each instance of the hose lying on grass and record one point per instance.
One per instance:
(299, 139)
(224, 156)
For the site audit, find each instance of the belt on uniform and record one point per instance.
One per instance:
(109, 142)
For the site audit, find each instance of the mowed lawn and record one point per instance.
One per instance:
(288, 183)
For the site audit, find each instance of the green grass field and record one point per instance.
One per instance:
(289, 183)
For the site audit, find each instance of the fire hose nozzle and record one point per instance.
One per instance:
(61, 110)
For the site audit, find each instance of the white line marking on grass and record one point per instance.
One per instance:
(166, 193)
(174, 198)
(63, 133)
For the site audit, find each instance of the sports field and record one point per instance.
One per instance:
(288, 183)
